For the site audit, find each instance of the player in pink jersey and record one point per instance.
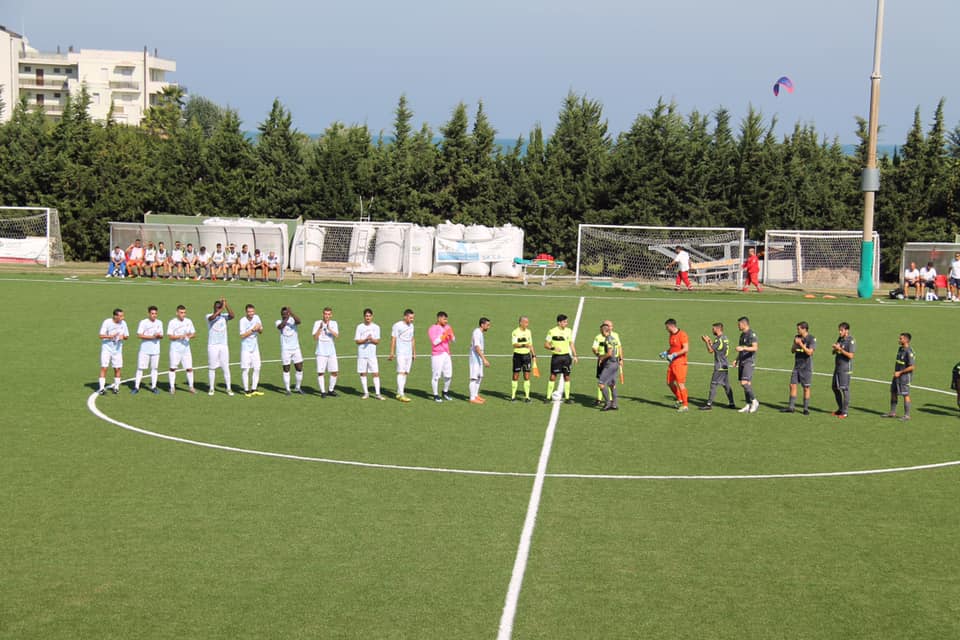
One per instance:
(441, 335)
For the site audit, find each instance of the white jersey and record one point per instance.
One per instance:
(325, 341)
(273, 261)
(911, 274)
(251, 342)
(368, 349)
(289, 338)
(683, 260)
(476, 340)
(117, 255)
(180, 329)
(150, 327)
(403, 332)
(177, 255)
(117, 331)
(161, 255)
(928, 275)
(217, 326)
(218, 257)
(955, 269)
(244, 257)
(189, 256)
(150, 255)
(231, 257)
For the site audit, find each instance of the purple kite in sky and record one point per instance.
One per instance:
(784, 82)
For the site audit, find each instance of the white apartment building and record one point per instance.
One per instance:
(128, 81)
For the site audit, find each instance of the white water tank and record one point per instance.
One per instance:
(421, 249)
(454, 232)
(388, 252)
(476, 233)
(514, 237)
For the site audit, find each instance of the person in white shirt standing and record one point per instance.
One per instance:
(178, 265)
(150, 332)
(325, 332)
(403, 347)
(367, 337)
(953, 278)
(290, 352)
(113, 331)
(180, 330)
(477, 360)
(682, 260)
(250, 330)
(218, 351)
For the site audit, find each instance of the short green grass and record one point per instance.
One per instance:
(113, 534)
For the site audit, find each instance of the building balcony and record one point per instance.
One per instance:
(125, 85)
(48, 85)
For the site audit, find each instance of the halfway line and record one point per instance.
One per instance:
(523, 549)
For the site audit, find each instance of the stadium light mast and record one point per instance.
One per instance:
(870, 179)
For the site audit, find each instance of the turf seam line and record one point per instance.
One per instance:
(530, 520)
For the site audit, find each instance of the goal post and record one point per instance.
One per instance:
(816, 258)
(30, 235)
(643, 254)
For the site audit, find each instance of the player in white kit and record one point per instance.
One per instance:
(250, 330)
(325, 332)
(367, 337)
(288, 325)
(403, 347)
(477, 360)
(180, 330)
(113, 331)
(150, 332)
(218, 350)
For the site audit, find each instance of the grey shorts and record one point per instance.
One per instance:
(803, 377)
(608, 375)
(745, 371)
(841, 380)
(720, 378)
(900, 387)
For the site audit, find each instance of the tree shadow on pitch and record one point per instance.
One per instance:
(938, 410)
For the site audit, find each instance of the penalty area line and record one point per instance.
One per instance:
(509, 613)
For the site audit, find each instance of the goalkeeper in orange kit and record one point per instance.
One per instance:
(676, 355)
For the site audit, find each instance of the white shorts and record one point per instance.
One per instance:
(181, 357)
(367, 364)
(441, 366)
(250, 359)
(476, 369)
(288, 356)
(148, 360)
(218, 355)
(327, 363)
(109, 358)
(404, 363)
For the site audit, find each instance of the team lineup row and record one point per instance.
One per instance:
(186, 263)
(607, 347)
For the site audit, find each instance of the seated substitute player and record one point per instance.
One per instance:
(250, 329)
(844, 349)
(150, 332)
(272, 263)
(244, 263)
(802, 348)
(163, 261)
(135, 256)
(150, 261)
(255, 266)
(928, 282)
(325, 332)
(745, 363)
(218, 263)
(180, 331)
(113, 331)
(117, 268)
(523, 358)
(477, 360)
(598, 348)
(403, 347)
(288, 326)
(902, 376)
(218, 351)
(441, 335)
(911, 278)
(230, 265)
(676, 355)
(189, 261)
(367, 337)
(559, 341)
(201, 265)
(178, 265)
(609, 365)
(719, 346)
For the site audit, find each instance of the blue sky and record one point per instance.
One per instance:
(350, 61)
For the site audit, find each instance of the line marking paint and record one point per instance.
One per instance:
(530, 521)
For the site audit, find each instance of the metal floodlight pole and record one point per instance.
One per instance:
(870, 179)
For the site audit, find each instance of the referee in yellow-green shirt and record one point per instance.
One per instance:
(560, 342)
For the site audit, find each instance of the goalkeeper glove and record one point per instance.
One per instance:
(663, 355)
(670, 357)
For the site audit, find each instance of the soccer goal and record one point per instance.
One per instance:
(30, 235)
(816, 258)
(643, 254)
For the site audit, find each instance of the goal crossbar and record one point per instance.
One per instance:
(31, 235)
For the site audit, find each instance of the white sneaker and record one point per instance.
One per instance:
(210, 393)
(229, 392)
(745, 408)
(754, 405)
(379, 397)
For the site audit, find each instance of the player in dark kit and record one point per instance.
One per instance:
(843, 351)
(745, 363)
(955, 382)
(902, 375)
(802, 348)
(719, 346)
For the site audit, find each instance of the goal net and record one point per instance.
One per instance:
(30, 235)
(818, 258)
(644, 254)
(332, 246)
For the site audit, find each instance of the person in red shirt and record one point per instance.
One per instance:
(752, 267)
(676, 355)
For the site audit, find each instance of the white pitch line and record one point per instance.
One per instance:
(530, 521)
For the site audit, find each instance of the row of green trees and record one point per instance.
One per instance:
(193, 157)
